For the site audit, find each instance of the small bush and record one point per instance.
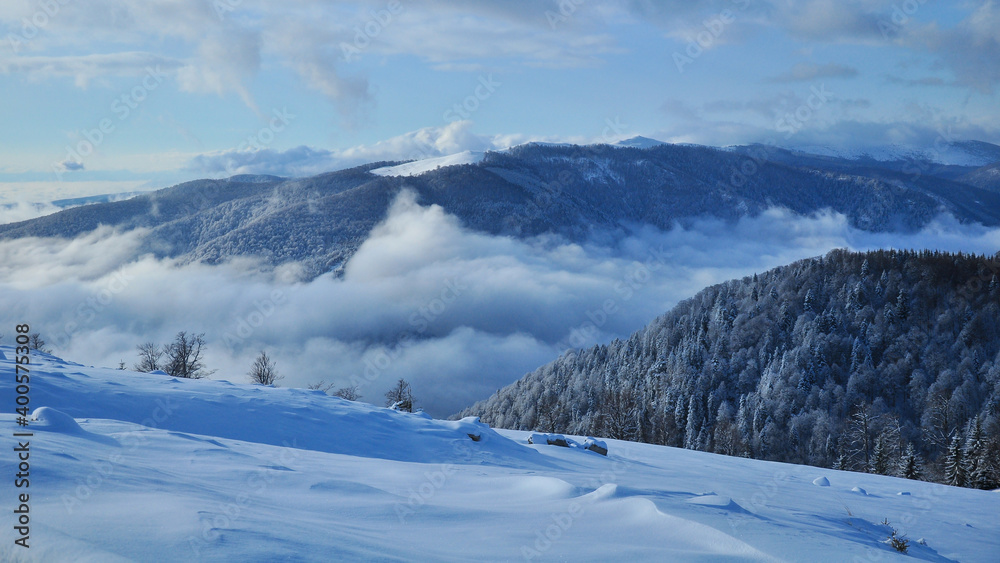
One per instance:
(898, 542)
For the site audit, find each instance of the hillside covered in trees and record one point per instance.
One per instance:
(577, 192)
(886, 362)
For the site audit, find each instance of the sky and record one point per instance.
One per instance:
(112, 96)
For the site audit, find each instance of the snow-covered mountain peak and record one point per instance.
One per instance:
(419, 167)
(639, 142)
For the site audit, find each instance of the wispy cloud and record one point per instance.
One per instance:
(427, 142)
(808, 72)
(85, 68)
(916, 82)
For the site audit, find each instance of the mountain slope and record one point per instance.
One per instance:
(577, 192)
(986, 178)
(140, 467)
(843, 360)
(951, 153)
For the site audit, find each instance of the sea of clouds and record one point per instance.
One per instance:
(456, 312)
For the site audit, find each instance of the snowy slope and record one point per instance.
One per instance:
(418, 167)
(965, 153)
(138, 467)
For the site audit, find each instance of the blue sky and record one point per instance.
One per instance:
(186, 89)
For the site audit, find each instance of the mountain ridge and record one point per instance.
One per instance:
(572, 191)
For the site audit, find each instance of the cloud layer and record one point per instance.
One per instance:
(458, 313)
(220, 47)
(427, 142)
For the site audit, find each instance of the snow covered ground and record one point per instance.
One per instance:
(418, 167)
(127, 466)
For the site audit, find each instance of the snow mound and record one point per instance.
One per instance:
(595, 445)
(607, 491)
(549, 439)
(860, 491)
(52, 420)
(589, 443)
(418, 167)
(716, 501)
(821, 482)
(536, 487)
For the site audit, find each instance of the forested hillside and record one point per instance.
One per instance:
(886, 362)
(578, 192)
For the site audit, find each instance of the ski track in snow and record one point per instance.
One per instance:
(140, 467)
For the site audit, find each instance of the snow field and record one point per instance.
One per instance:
(140, 467)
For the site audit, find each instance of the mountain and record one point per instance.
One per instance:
(125, 466)
(574, 191)
(639, 142)
(847, 360)
(950, 153)
(986, 178)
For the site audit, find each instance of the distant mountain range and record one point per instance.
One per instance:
(574, 191)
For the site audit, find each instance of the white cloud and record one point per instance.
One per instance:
(85, 68)
(22, 211)
(226, 61)
(971, 49)
(423, 143)
(458, 313)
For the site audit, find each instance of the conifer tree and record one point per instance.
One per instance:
(955, 469)
(909, 464)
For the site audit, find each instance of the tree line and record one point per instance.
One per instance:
(885, 362)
